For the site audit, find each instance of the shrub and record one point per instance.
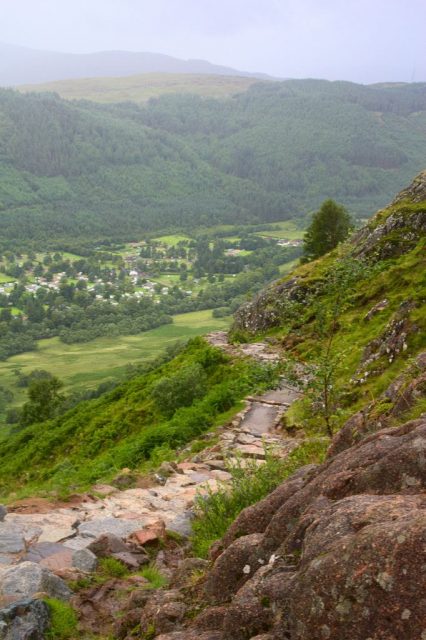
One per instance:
(180, 390)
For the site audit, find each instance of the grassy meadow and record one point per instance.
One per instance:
(288, 230)
(173, 240)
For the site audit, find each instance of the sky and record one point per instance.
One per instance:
(358, 40)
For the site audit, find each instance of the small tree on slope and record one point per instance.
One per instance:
(330, 225)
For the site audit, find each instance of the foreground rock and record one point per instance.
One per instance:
(27, 619)
(334, 552)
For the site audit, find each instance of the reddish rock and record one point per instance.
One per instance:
(150, 534)
(231, 569)
(341, 554)
(363, 580)
(164, 612)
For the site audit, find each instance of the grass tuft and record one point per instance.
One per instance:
(63, 621)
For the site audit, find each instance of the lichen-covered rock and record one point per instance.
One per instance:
(85, 560)
(360, 574)
(164, 612)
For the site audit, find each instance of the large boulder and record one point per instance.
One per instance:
(29, 578)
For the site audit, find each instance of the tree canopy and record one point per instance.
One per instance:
(330, 225)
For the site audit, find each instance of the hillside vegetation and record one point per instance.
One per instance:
(271, 153)
(143, 419)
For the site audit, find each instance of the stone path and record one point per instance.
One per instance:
(49, 536)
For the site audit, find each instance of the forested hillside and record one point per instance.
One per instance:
(83, 169)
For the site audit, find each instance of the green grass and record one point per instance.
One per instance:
(63, 621)
(5, 279)
(140, 88)
(288, 266)
(111, 568)
(155, 579)
(85, 366)
(287, 230)
(172, 240)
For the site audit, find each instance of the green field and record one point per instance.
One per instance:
(140, 88)
(287, 230)
(4, 278)
(173, 240)
(83, 366)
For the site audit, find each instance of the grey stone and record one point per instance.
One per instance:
(131, 560)
(85, 560)
(42, 550)
(181, 524)
(24, 620)
(28, 578)
(106, 545)
(3, 512)
(120, 528)
(11, 542)
(6, 558)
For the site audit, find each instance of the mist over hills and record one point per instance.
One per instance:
(21, 65)
(274, 152)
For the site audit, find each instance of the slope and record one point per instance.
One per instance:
(356, 321)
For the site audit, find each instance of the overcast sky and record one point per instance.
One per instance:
(359, 40)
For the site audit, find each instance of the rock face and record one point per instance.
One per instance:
(334, 552)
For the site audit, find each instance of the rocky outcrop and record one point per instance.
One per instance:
(334, 552)
(391, 232)
(407, 389)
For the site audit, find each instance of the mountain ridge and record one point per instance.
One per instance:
(22, 65)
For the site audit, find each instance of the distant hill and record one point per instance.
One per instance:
(142, 87)
(79, 170)
(20, 65)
